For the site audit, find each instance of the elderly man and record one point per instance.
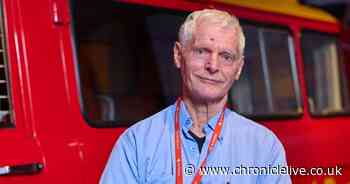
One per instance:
(190, 141)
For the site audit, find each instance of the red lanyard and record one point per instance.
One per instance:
(178, 157)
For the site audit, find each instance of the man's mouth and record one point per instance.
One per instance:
(209, 80)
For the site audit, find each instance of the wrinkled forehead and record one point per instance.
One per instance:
(215, 31)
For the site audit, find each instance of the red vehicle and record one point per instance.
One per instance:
(75, 74)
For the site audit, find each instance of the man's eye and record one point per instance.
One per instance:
(228, 57)
(199, 51)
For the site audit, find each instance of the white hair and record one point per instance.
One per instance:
(216, 16)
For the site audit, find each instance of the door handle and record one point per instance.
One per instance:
(24, 169)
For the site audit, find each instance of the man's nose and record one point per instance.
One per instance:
(212, 64)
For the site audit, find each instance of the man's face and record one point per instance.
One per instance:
(210, 62)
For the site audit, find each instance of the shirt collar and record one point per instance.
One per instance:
(186, 121)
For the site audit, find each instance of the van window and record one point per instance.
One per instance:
(268, 86)
(126, 70)
(5, 106)
(125, 60)
(325, 75)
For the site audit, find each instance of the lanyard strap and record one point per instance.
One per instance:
(178, 157)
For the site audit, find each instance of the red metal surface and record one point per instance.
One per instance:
(241, 12)
(51, 129)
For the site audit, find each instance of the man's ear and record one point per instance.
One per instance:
(241, 63)
(177, 55)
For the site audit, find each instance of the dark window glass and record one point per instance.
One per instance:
(3, 88)
(125, 61)
(1, 59)
(4, 104)
(268, 85)
(2, 74)
(325, 75)
(5, 107)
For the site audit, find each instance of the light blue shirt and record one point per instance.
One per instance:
(145, 152)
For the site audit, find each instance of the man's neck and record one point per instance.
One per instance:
(202, 112)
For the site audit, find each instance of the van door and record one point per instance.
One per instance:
(20, 156)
